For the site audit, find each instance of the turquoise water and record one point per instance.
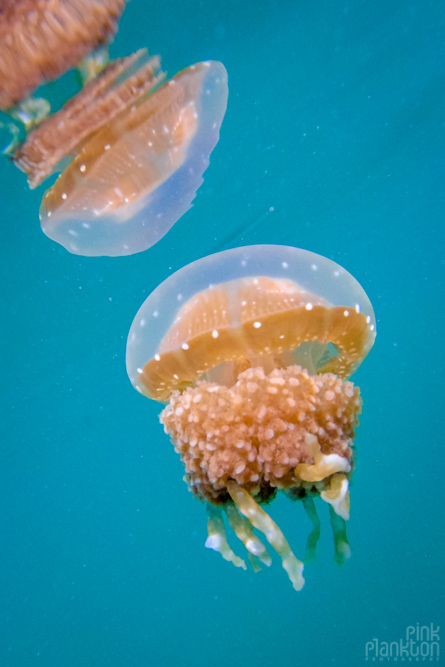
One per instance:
(334, 142)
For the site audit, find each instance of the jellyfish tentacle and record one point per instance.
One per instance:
(338, 495)
(312, 540)
(217, 539)
(244, 532)
(341, 544)
(263, 522)
(254, 562)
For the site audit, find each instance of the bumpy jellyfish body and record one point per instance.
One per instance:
(42, 39)
(254, 367)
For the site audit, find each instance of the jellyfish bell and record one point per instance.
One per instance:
(241, 299)
(42, 39)
(133, 178)
(59, 138)
(252, 349)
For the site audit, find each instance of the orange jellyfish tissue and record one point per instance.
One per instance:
(252, 349)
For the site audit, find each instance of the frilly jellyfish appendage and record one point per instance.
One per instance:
(137, 175)
(266, 525)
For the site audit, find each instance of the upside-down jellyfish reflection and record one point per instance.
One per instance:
(131, 149)
(138, 174)
(251, 349)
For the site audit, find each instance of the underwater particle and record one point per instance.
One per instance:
(254, 367)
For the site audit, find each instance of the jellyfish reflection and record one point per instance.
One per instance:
(42, 39)
(139, 173)
(132, 150)
(254, 367)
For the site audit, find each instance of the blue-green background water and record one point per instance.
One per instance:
(334, 142)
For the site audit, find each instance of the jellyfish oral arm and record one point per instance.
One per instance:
(242, 528)
(217, 538)
(324, 464)
(264, 523)
(337, 495)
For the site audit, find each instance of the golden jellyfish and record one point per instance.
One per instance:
(138, 150)
(131, 149)
(252, 349)
(42, 39)
(139, 173)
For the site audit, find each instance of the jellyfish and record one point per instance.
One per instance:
(251, 349)
(42, 39)
(131, 148)
(137, 148)
(135, 176)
